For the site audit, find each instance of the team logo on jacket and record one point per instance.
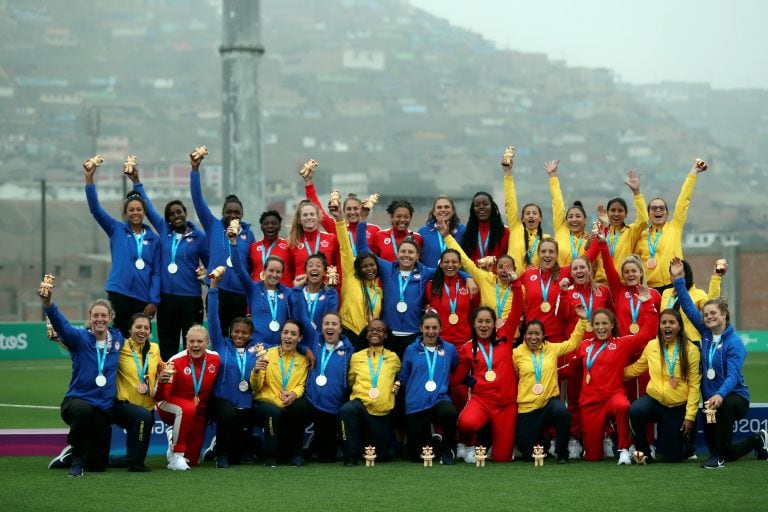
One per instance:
(387, 241)
(533, 277)
(575, 295)
(146, 242)
(280, 296)
(627, 294)
(440, 352)
(341, 351)
(324, 243)
(189, 239)
(243, 236)
(211, 368)
(416, 276)
(322, 297)
(611, 346)
(300, 245)
(117, 345)
(187, 371)
(463, 291)
(252, 350)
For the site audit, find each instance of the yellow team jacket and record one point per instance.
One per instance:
(517, 230)
(128, 375)
(687, 391)
(527, 400)
(353, 310)
(486, 281)
(699, 297)
(670, 241)
(266, 385)
(563, 233)
(625, 239)
(360, 379)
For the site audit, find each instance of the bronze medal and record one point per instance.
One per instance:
(142, 388)
(373, 393)
(672, 382)
(651, 263)
(197, 400)
(538, 388)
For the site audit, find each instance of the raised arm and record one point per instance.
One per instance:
(214, 324)
(558, 205)
(104, 220)
(684, 199)
(204, 214)
(641, 208)
(239, 266)
(686, 303)
(157, 220)
(510, 195)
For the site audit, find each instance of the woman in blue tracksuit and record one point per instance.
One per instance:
(327, 387)
(425, 374)
(184, 247)
(232, 300)
(313, 296)
(133, 285)
(232, 403)
(88, 402)
(722, 383)
(432, 243)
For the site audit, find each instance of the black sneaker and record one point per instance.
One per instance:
(138, 468)
(350, 462)
(297, 461)
(562, 460)
(222, 462)
(247, 458)
(762, 445)
(63, 460)
(714, 463)
(270, 462)
(76, 469)
(448, 458)
(210, 453)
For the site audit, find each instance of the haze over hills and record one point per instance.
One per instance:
(387, 97)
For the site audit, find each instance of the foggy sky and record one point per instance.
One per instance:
(721, 42)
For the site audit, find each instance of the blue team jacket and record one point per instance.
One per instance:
(431, 249)
(335, 393)
(414, 374)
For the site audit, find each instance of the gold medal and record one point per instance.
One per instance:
(651, 263)
(588, 378)
(545, 307)
(634, 328)
(672, 382)
(490, 375)
(453, 319)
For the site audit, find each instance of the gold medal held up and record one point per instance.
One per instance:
(93, 162)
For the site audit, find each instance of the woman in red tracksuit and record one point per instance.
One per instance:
(387, 241)
(306, 239)
(603, 358)
(494, 393)
(183, 390)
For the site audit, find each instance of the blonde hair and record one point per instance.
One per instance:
(197, 328)
(634, 259)
(100, 302)
(296, 229)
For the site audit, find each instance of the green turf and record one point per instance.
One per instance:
(43, 382)
(28, 485)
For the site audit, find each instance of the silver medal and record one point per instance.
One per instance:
(101, 381)
(711, 373)
(430, 385)
(274, 326)
(173, 268)
(321, 380)
(139, 264)
(402, 307)
(243, 386)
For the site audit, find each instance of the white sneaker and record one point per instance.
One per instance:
(653, 452)
(178, 462)
(169, 451)
(516, 453)
(469, 455)
(624, 458)
(608, 447)
(552, 452)
(574, 449)
(461, 450)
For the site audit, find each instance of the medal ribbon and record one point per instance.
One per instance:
(532, 250)
(652, 245)
(575, 248)
(634, 310)
(266, 253)
(325, 357)
(538, 363)
(544, 289)
(140, 370)
(241, 361)
(352, 243)
(591, 360)
(285, 377)
(488, 356)
(175, 241)
(431, 363)
(711, 353)
(454, 302)
(587, 310)
(671, 364)
(101, 356)
(613, 240)
(394, 243)
(197, 384)
(311, 304)
(501, 301)
(317, 244)
(272, 303)
(671, 301)
(139, 244)
(440, 241)
(373, 300)
(403, 283)
(482, 245)
(375, 376)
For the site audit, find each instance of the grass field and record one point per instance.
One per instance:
(27, 485)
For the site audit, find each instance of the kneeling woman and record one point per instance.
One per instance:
(425, 374)
(183, 392)
(602, 393)
(494, 391)
(673, 391)
(136, 379)
(538, 399)
(278, 381)
(87, 405)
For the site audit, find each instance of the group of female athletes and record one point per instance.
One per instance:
(452, 337)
